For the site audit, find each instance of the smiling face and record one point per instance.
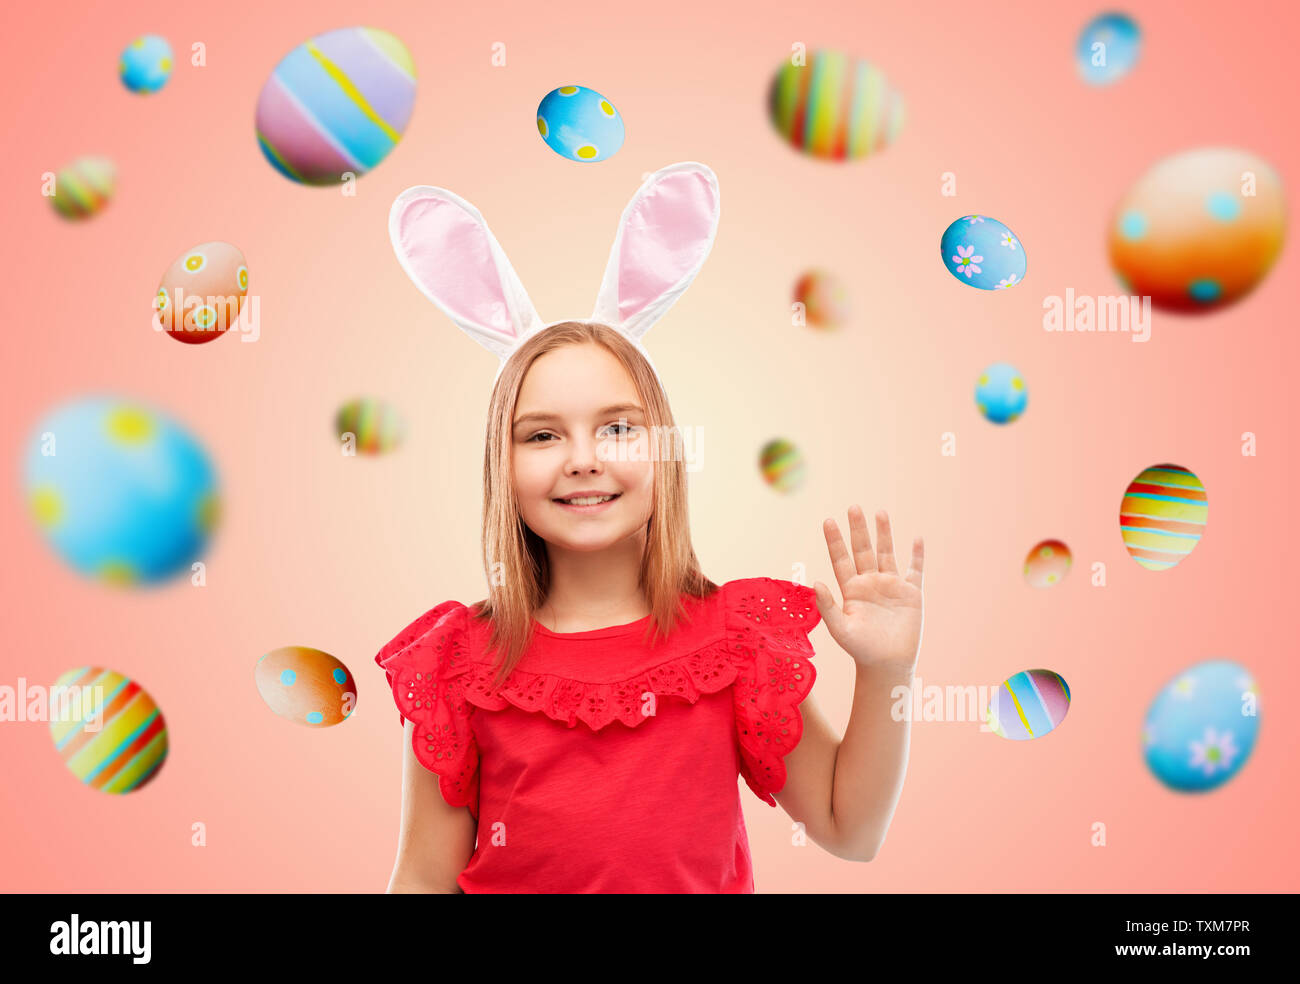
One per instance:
(594, 437)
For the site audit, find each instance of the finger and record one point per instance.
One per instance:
(918, 562)
(830, 612)
(863, 556)
(841, 562)
(885, 544)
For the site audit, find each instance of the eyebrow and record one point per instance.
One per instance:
(541, 415)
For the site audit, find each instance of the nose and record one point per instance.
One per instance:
(583, 458)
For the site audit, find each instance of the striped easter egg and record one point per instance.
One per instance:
(337, 103)
(107, 729)
(306, 686)
(834, 107)
(1028, 705)
(1162, 516)
(782, 465)
(375, 427)
(84, 187)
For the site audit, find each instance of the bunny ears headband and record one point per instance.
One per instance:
(663, 239)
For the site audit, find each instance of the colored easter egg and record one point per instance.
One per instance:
(1107, 49)
(107, 729)
(580, 124)
(1000, 393)
(201, 293)
(306, 686)
(1162, 516)
(146, 64)
(825, 299)
(782, 465)
(1202, 726)
(336, 104)
(84, 187)
(1199, 230)
(121, 492)
(374, 426)
(1047, 564)
(983, 253)
(834, 106)
(1028, 705)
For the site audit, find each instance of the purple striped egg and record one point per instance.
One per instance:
(1028, 705)
(336, 104)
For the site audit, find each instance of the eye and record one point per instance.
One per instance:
(537, 435)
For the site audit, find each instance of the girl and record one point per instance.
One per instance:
(582, 728)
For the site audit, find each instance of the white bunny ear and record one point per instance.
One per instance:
(448, 251)
(663, 239)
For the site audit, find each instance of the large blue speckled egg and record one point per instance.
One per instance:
(1202, 726)
(983, 253)
(580, 124)
(1107, 48)
(121, 492)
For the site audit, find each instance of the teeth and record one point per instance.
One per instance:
(588, 501)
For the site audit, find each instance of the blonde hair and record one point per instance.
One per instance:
(669, 567)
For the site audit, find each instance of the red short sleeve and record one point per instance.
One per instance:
(425, 664)
(768, 621)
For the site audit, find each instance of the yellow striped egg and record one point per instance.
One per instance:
(84, 187)
(1163, 515)
(107, 729)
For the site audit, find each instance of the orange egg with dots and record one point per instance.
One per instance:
(201, 295)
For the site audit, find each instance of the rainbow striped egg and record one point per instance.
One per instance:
(782, 465)
(1028, 705)
(1162, 516)
(107, 729)
(834, 107)
(374, 426)
(84, 187)
(306, 685)
(336, 104)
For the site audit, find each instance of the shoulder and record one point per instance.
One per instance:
(770, 602)
(446, 620)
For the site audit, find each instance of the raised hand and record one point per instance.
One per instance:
(880, 621)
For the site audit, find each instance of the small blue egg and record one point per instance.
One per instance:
(580, 124)
(146, 64)
(1202, 727)
(1000, 393)
(983, 253)
(1107, 49)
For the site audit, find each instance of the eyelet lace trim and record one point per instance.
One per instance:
(766, 654)
(768, 622)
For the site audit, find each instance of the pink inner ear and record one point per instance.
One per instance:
(664, 237)
(450, 257)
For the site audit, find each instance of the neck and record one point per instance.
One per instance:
(598, 587)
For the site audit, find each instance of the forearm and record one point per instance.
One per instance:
(870, 763)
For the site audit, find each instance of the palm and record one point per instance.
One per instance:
(880, 619)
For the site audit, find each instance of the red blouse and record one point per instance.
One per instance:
(605, 763)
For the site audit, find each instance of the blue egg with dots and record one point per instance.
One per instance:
(983, 252)
(1001, 394)
(1201, 728)
(1108, 48)
(146, 64)
(580, 124)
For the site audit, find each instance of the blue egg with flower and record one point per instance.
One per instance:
(1202, 727)
(1107, 49)
(982, 252)
(1000, 393)
(580, 124)
(146, 64)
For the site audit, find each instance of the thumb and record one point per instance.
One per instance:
(826, 605)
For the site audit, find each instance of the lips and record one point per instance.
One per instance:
(593, 507)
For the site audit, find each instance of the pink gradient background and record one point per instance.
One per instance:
(320, 550)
